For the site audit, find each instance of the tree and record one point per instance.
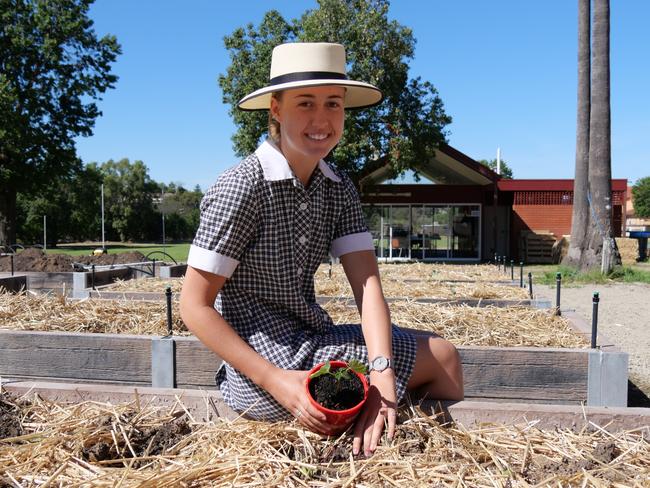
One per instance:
(598, 247)
(71, 204)
(601, 247)
(506, 171)
(128, 200)
(641, 198)
(580, 216)
(403, 131)
(53, 68)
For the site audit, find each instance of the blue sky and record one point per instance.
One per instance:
(505, 69)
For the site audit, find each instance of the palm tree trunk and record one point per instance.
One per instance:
(580, 218)
(601, 249)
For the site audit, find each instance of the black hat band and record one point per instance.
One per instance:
(305, 76)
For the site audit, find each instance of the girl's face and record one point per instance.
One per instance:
(311, 122)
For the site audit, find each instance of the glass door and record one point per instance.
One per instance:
(465, 239)
(399, 233)
(441, 235)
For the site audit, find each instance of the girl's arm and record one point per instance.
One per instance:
(363, 274)
(199, 292)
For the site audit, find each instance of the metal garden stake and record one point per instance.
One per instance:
(512, 269)
(558, 281)
(530, 285)
(594, 319)
(168, 295)
(92, 276)
(521, 274)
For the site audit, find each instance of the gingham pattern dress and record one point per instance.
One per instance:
(261, 228)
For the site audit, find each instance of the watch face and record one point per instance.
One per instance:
(380, 363)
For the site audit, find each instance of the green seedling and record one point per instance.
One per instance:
(340, 373)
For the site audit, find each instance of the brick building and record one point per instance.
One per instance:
(466, 212)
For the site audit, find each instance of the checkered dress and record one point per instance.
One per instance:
(268, 233)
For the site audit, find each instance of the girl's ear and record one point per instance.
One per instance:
(275, 109)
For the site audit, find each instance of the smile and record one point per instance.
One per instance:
(317, 137)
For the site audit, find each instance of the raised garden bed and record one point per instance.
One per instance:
(544, 361)
(70, 435)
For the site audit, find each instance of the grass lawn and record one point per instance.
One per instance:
(177, 251)
(546, 274)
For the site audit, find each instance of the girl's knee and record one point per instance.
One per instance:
(444, 351)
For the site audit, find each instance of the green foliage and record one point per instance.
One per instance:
(339, 374)
(53, 69)
(641, 198)
(128, 200)
(71, 204)
(571, 275)
(133, 206)
(506, 171)
(402, 131)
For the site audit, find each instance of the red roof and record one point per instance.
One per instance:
(550, 185)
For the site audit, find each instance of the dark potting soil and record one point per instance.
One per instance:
(336, 394)
(10, 425)
(33, 259)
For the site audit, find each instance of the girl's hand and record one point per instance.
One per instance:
(288, 388)
(379, 411)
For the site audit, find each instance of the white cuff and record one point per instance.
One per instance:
(361, 241)
(211, 261)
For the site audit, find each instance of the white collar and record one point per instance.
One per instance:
(275, 166)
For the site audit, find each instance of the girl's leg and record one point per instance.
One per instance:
(438, 373)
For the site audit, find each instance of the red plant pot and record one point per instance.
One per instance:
(338, 418)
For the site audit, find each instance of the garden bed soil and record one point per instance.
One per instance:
(33, 259)
(336, 394)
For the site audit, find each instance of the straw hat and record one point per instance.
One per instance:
(301, 64)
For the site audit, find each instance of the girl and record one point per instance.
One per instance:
(266, 225)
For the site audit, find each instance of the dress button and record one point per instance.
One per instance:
(299, 270)
(303, 206)
(302, 240)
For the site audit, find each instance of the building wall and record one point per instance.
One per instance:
(551, 218)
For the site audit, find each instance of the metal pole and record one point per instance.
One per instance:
(330, 271)
(12, 264)
(496, 258)
(594, 319)
(530, 285)
(153, 267)
(168, 294)
(512, 269)
(44, 232)
(92, 277)
(103, 239)
(521, 274)
(558, 282)
(162, 211)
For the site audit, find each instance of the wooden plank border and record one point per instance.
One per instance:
(531, 375)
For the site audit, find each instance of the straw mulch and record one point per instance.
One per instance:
(135, 445)
(394, 288)
(629, 249)
(146, 285)
(424, 271)
(462, 325)
(54, 313)
(476, 326)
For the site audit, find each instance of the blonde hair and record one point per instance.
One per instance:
(274, 125)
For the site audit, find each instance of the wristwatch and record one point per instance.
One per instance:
(380, 363)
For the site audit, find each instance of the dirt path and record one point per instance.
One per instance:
(623, 319)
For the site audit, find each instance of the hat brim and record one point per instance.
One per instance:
(357, 93)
